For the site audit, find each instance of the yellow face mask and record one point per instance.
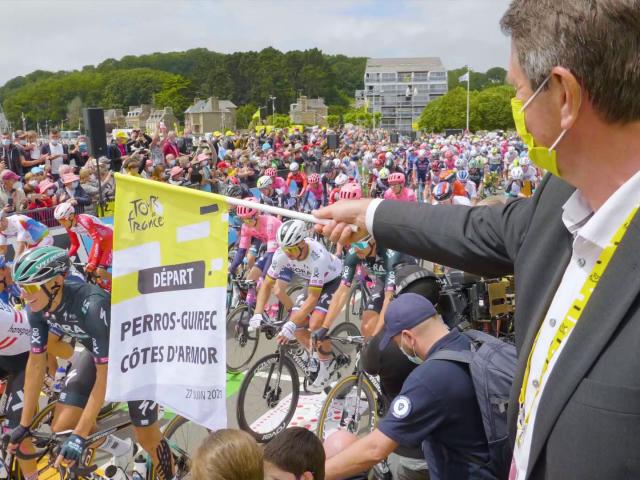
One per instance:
(543, 157)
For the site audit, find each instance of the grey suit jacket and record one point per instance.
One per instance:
(588, 425)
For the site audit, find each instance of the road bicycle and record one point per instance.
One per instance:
(269, 393)
(356, 402)
(183, 438)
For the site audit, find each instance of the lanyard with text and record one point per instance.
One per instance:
(569, 322)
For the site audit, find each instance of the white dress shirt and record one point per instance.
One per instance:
(592, 232)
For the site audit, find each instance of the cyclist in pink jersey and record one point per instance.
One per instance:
(279, 183)
(262, 228)
(314, 187)
(397, 189)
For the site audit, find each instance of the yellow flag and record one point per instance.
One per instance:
(168, 330)
(256, 116)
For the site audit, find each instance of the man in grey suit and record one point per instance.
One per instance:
(573, 247)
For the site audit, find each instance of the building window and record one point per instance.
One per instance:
(420, 76)
(404, 77)
(388, 77)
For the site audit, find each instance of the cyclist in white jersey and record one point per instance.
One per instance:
(308, 259)
(28, 233)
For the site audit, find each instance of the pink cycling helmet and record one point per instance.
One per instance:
(351, 191)
(396, 178)
(271, 172)
(314, 178)
(245, 212)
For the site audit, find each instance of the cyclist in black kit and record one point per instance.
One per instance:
(82, 311)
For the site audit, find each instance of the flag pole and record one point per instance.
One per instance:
(468, 82)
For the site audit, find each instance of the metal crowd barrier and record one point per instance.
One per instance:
(45, 215)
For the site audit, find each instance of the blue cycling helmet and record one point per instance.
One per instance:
(463, 176)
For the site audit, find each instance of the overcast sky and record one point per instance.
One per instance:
(68, 34)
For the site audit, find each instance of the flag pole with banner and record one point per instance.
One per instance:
(168, 299)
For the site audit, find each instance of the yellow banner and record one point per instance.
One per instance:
(169, 298)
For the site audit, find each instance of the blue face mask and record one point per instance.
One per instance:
(412, 358)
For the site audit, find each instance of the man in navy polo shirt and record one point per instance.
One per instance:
(436, 409)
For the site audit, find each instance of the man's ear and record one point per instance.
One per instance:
(307, 476)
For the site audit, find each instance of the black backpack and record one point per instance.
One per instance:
(492, 364)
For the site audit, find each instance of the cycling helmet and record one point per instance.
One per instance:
(294, 167)
(463, 176)
(378, 163)
(336, 163)
(459, 164)
(64, 210)
(443, 191)
(234, 191)
(264, 181)
(389, 163)
(245, 212)
(422, 153)
(291, 233)
(327, 166)
(388, 156)
(384, 174)
(271, 172)
(396, 178)
(351, 191)
(435, 166)
(41, 264)
(524, 161)
(517, 173)
(341, 179)
(314, 178)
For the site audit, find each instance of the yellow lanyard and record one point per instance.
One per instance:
(570, 320)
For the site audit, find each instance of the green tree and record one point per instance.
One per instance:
(244, 115)
(176, 92)
(333, 120)
(279, 120)
(494, 108)
(450, 111)
(496, 75)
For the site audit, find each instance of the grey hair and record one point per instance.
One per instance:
(597, 40)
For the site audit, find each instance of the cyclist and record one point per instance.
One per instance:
(278, 182)
(420, 173)
(82, 311)
(443, 194)
(470, 187)
(515, 183)
(382, 183)
(101, 252)
(259, 230)
(380, 263)
(529, 177)
(295, 175)
(28, 233)
(340, 181)
(314, 188)
(268, 194)
(310, 260)
(397, 189)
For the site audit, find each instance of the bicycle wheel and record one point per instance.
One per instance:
(241, 344)
(345, 353)
(351, 405)
(268, 397)
(184, 437)
(355, 304)
(42, 424)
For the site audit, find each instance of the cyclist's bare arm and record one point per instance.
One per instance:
(33, 380)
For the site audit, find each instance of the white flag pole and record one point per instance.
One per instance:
(468, 82)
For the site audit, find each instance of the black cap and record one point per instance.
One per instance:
(404, 313)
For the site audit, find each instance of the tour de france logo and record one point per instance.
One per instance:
(146, 214)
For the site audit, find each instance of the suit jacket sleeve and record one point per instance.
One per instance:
(481, 240)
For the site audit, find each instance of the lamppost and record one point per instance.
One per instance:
(273, 108)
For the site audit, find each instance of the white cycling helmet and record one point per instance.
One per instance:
(64, 210)
(341, 179)
(294, 167)
(291, 233)
(264, 181)
(336, 162)
(517, 173)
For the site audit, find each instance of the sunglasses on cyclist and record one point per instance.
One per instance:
(293, 250)
(30, 287)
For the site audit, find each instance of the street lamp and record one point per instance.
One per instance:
(273, 107)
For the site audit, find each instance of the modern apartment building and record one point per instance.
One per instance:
(400, 88)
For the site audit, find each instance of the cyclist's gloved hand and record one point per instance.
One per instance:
(320, 334)
(90, 267)
(17, 436)
(289, 330)
(72, 448)
(255, 321)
